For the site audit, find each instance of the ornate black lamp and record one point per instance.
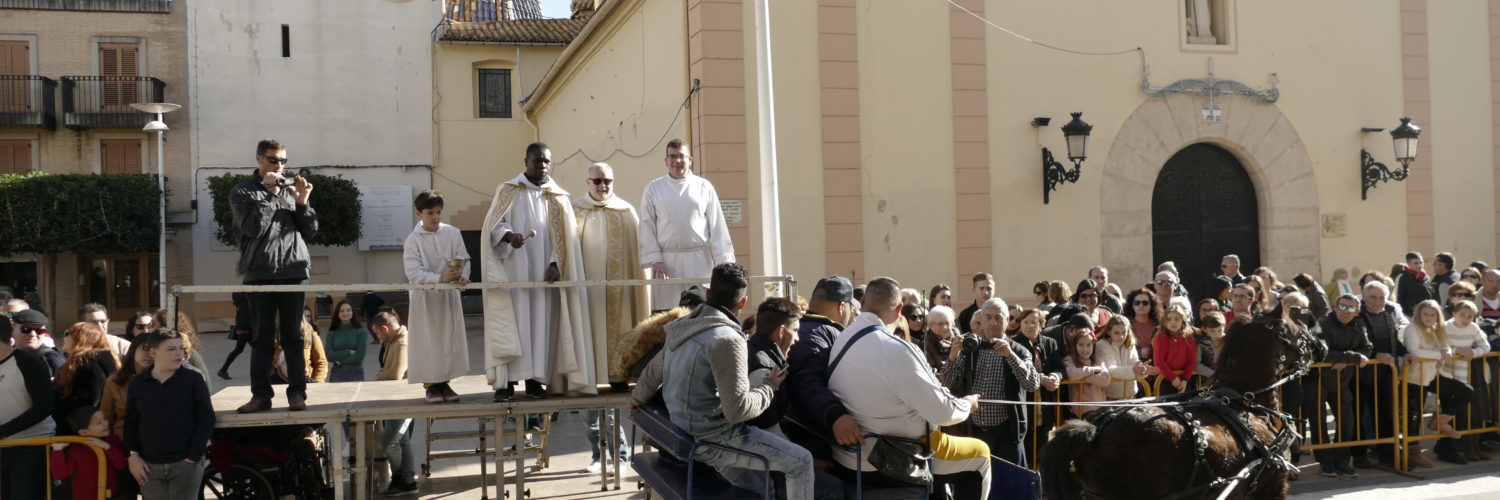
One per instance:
(1373, 172)
(1076, 132)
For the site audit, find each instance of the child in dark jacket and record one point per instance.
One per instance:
(78, 466)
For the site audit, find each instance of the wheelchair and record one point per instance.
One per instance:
(267, 463)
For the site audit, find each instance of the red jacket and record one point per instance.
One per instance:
(1171, 354)
(79, 463)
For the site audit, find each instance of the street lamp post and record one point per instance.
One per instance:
(160, 127)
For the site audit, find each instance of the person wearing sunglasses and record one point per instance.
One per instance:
(609, 229)
(1332, 388)
(273, 218)
(31, 336)
(95, 313)
(26, 403)
(1229, 267)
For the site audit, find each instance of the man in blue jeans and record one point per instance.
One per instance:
(598, 441)
(273, 219)
(701, 374)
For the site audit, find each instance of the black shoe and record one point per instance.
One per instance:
(401, 488)
(535, 390)
(224, 374)
(434, 394)
(1451, 457)
(1345, 471)
(1326, 469)
(504, 394)
(448, 394)
(619, 386)
(1362, 462)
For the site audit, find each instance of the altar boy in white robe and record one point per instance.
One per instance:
(683, 234)
(438, 346)
(537, 335)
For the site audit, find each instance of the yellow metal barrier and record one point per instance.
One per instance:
(46, 444)
(1466, 422)
(1345, 434)
(1156, 380)
(1035, 432)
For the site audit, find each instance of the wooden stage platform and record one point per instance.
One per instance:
(362, 403)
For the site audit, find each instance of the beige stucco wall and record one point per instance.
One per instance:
(619, 104)
(474, 155)
(1463, 155)
(1339, 67)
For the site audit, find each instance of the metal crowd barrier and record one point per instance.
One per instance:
(1328, 415)
(46, 443)
(1470, 421)
(1036, 430)
(1197, 380)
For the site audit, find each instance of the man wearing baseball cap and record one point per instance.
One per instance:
(33, 337)
(812, 404)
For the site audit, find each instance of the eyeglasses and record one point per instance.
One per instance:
(31, 330)
(1166, 282)
(919, 317)
(141, 326)
(1088, 296)
(273, 160)
(606, 182)
(1142, 302)
(1348, 308)
(1471, 276)
(678, 156)
(1461, 295)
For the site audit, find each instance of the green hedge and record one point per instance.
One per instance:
(335, 198)
(79, 213)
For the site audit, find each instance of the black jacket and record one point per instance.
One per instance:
(1346, 342)
(1411, 290)
(812, 404)
(966, 316)
(88, 389)
(1386, 342)
(1047, 353)
(763, 354)
(272, 231)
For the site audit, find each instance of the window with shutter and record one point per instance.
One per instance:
(120, 156)
(494, 93)
(15, 156)
(15, 59)
(118, 63)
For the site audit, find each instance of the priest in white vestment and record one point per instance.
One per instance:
(609, 230)
(683, 234)
(536, 335)
(438, 347)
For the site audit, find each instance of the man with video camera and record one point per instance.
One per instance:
(995, 367)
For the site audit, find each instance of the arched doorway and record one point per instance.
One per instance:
(1203, 208)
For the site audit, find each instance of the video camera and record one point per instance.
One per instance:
(975, 342)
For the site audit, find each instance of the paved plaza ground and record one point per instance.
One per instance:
(565, 477)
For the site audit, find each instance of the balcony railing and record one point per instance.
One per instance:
(151, 6)
(28, 101)
(104, 101)
(491, 10)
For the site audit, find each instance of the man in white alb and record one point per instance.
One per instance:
(683, 234)
(539, 335)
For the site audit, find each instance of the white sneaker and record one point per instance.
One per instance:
(594, 467)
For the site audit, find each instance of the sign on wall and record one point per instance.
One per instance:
(388, 216)
(734, 211)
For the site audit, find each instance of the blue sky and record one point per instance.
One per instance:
(557, 8)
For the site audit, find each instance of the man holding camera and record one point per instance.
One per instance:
(274, 221)
(995, 367)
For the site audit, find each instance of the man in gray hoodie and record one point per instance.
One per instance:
(702, 374)
(273, 219)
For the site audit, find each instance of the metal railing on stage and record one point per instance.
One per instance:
(360, 418)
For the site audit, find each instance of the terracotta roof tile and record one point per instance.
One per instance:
(550, 31)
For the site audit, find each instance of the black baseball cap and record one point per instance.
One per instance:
(693, 296)
(834, 288)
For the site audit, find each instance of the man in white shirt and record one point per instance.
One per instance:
(683, 234)
(887, 386)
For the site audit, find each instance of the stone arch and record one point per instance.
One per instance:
(1258, 135)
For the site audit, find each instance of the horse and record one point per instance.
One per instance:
(1202, 441)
